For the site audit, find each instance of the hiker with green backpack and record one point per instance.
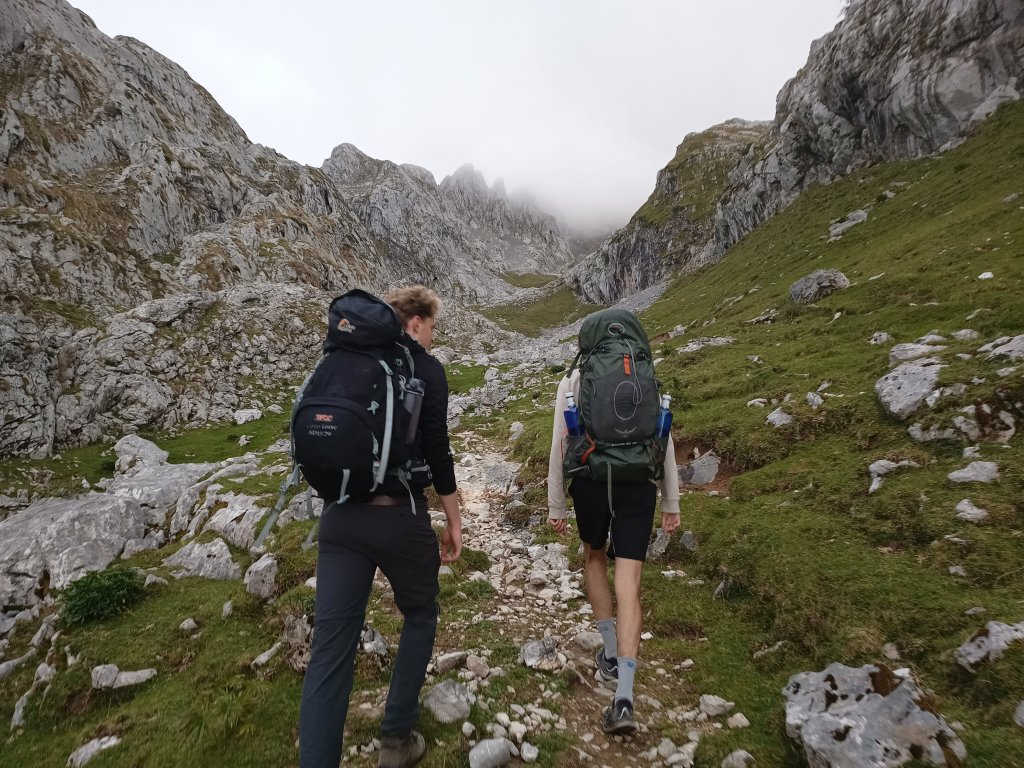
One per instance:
(612, 445)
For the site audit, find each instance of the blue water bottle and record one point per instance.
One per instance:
(572, 416)
(665, 417)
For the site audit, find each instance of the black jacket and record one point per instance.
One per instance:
(433, 444)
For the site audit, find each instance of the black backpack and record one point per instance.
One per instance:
(349, 425)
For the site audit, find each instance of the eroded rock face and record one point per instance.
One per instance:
(845, 717)
(672, 228)
(66, 539)
(947, 65)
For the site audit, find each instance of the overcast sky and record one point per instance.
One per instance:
(578, 102)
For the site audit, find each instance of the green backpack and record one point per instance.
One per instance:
(619, 403)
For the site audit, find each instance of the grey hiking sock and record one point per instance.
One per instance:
(627, 671)
(607, 629)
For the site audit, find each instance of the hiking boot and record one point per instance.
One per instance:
(607, 668)
(618, 718)
(398, 752)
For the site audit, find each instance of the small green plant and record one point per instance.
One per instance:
(100, 595)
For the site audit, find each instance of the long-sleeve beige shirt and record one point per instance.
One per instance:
(556, 481)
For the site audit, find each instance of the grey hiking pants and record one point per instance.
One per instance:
(355, 540)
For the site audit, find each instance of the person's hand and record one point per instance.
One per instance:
(670, 522)
(560, 525)
(451, 543)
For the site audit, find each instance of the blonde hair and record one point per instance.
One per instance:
(414, 300)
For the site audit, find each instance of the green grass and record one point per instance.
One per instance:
(463, 377)
(528, 280)
(811, 558)
(530, 318)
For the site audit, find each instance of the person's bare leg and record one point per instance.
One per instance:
(627, 602)
(595, 580)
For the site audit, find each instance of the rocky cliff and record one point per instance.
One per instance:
(896, 79)
(672, 228)
(157, 267)
(461, 229)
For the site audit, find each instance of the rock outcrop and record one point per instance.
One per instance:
(159, 269)
(669, 232)
(893, 81)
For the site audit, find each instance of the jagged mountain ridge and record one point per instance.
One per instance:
(158, 268)
(895, 80)
(455, 227)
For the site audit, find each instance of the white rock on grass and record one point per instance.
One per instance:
(976, 472)
(529, 753)
(448, 701)
(1018, 716)
(188, 626)
(966, 510)
(879, 337)
(449, 661)
(261, 576)
(246, 415)
(87, 752)
(714, 706)
(108, 676)
(490, 753)
(739, 720)
(846, 716)
(989, 644)
(879, 469)
(814, 400)
(738, 759)
(904, 389)
(1005, 347)
(778, 418)
(211, 561)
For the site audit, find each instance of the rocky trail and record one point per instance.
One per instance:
(538, 606)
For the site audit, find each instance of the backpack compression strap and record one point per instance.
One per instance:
(381, 466)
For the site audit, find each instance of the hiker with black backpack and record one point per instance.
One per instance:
(369, 433)
(612, 442)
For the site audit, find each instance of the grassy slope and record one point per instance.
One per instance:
(813, 560)
(549, 311)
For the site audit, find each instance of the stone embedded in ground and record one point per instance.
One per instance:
(706, 341)
(847, 716)
(879, 469)
(211, 561)
(904, 389)
(246, 415)
(188, 625)
(65, 539)
(448, 661)
(739, 720)
(904, 352)
(966, 510)
(779, 418)
(448, 702)
(738, 759)
(87, 752)
(490, 753)
(1005, 347)
(108, 676)
(264, 658)
(261, 576)
(989, 644)
(976, 472)
(541, 654)
(589, 641)
(714, 706)
(529, 753)
(373, 642)
(700, 471)
(817, 285)
(879, 337)
(659, 546)
(814, 400)
(838, 228)
(477, 666)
